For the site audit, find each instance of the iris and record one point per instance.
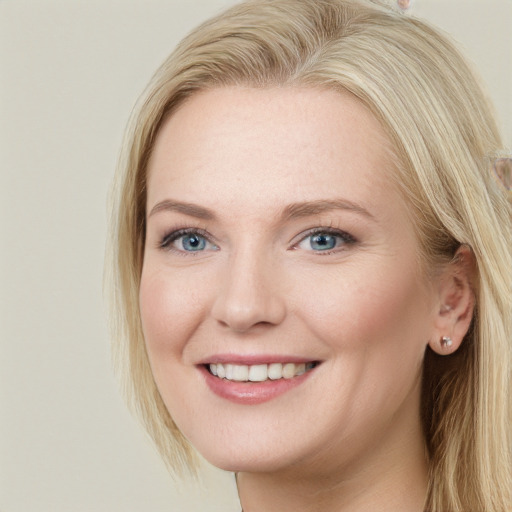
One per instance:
(193, 242)
(323, 241)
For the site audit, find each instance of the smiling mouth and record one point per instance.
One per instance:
(259, 372)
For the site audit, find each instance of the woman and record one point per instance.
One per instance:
(312, 263)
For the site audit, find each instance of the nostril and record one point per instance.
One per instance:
(262, 313)
(241, 328)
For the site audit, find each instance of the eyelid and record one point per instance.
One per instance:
(345, 236)
(165, 242)
(172, 235)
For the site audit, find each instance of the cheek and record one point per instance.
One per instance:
(375, 324)
(169, 309)
(385, 307)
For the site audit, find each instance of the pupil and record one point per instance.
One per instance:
(323, 242)
(193, 242)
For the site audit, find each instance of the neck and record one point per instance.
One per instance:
(401, 490)
(391, 477)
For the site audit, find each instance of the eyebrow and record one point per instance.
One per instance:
(297, 210)
(193, 210)
(291, 211)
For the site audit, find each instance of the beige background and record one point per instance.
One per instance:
(70, 71)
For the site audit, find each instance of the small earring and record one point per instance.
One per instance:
(446, 342)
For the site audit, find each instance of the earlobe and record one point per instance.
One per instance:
(456, 302)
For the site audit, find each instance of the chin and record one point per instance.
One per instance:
(247, 462)
(256, 452)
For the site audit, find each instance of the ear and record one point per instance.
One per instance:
(456, 302)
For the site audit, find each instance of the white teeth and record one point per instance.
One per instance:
(300, 369)
(221, 371)
(288, 370)
(240, 373)
(259, 372)
(275, 371)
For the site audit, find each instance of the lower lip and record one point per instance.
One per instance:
(251, 393)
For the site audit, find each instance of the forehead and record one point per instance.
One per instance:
(236, 145)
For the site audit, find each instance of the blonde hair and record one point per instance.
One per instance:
(445, 140)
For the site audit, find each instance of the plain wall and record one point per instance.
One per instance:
(70, 72)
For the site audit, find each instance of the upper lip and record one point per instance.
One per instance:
(253, 359)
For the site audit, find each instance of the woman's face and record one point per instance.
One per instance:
(279, 251)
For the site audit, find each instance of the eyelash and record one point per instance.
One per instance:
(168, 239)
(346, 239)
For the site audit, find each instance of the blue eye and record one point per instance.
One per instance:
(192, 242)
(185, 241)
(325, 241)
(322, 242)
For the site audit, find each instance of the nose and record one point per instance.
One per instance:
(250, 294)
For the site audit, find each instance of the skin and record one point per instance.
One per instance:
(349, 437)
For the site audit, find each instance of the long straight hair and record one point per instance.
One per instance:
(445, 140)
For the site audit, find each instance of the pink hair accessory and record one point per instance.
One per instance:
(404, 4)
(503, 170)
